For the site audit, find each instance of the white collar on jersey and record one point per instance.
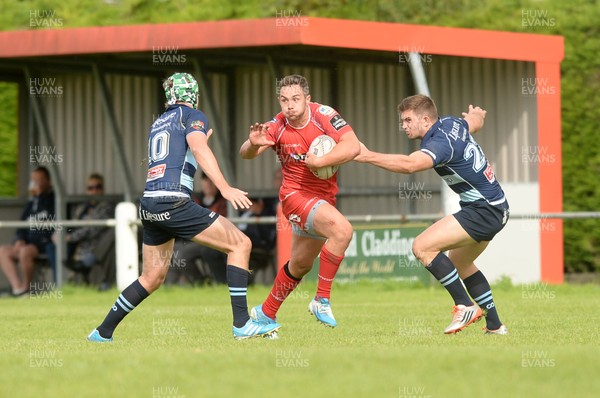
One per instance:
(308, 121)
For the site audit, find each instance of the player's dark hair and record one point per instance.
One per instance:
(44, 171)
(292, 80)
(422, 105)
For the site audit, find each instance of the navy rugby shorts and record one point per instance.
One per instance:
(481, 220)
(168, 217)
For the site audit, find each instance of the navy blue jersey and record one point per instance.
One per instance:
(460, 161)
(171, 164)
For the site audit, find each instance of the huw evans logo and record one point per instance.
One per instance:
(44, 19)
(44, 87)
(166, 55)
(290, 19)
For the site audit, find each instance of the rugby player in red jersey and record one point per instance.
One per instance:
(307, 201)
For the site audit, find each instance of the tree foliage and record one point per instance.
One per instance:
(8, 137)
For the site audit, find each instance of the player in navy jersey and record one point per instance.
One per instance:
(448, 147)
(177, 145)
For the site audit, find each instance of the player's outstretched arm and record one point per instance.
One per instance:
(257, 141)
(474, 117)
(405, 164)
(198, 143)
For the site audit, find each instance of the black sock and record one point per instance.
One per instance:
(444, 271)
(237, 279)
(480, 290)
(126, 302)
(286, 269)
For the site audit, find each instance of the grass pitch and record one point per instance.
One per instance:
(388, 343)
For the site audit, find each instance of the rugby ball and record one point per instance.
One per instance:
(320, 146)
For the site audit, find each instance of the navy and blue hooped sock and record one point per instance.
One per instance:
(129, 298)
(480, 290)
(237, 279)
(445, 272)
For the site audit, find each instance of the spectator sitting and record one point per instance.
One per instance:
(30, 242)
(210, 197)
(185, 253)
(263, 236)
(83, 242)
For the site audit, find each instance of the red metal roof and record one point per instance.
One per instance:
(361, 35)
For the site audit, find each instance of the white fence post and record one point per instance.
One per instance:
(126, 244)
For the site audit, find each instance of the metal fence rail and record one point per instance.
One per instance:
(111, 222)
(367, 218)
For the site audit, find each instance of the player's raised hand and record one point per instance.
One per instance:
(474, 117)
(475, 110)
(238, 198)
(258, 135)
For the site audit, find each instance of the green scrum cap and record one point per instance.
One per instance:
(181, 87)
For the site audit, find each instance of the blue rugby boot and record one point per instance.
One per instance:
(254, 328)
(95, 337)
(257, 314)
(321, 309)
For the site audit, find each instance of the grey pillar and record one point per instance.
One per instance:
(114, 132)
(41, 122)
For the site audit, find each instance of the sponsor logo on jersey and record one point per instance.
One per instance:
(489, 173)
(156, 172)
(197, 125)
(164, 118)
(289, 153)
(294, 218)
(326, 110)
(505, 216)
(298, 157)
(454, 131)
(337, 122)
(146, 215)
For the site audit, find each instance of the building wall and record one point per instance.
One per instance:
(515, 252)
(254, 103)
(81, 134)
(80, 128)
(510, 125)
(369, 95)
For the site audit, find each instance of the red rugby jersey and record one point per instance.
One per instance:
(292, 144)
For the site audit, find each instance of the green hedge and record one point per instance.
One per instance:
(8, 137)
